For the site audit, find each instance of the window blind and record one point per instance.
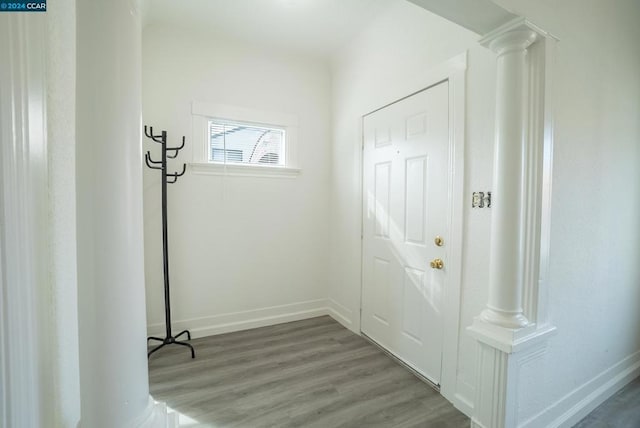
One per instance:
(241, 143)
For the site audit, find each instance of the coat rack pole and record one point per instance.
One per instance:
(165, 238)
(162, 165)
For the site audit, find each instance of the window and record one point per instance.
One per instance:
(243, 143)
(231, 140)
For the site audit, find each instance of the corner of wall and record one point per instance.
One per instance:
(342, 314)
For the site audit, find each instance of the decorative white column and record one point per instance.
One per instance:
(505, 267)
(114, 384)
(506, 339)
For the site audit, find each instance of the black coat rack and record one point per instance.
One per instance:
(170, 178)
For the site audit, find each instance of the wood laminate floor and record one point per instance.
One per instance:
(622, 410)
(310, 373)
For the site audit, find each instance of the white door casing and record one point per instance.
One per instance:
(405, 173)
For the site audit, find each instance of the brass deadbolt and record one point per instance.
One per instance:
(437, 264)
(439, 241)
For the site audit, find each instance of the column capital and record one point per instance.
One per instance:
(516, 40)
(517, 34)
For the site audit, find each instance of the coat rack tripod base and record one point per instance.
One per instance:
(167, 178)
(171, 341)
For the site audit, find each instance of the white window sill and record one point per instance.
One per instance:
(244, 170)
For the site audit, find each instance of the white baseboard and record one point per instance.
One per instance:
(573, 407)
(340, 313)
(244, 320)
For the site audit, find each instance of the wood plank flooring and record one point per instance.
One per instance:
(622, 410)
(310, 373)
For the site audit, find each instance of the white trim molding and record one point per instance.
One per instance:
(492, 406)
(244, 320)
(455, 216)
(229, 170)
(513, 329)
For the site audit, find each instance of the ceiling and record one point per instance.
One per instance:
(479, 16)
(314, 27)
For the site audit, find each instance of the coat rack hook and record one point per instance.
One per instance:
(184, 169)
(177, 148)
(176, 175)
(148, 155)
(157, 138)
(147, 159)
(160, 139)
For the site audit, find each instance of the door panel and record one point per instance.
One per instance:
(382, 189)
(381, 284)
(405, 179)
(415, 200)
(413, 289)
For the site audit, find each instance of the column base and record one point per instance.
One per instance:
(501, 354)
(504, 319)
(506, 339)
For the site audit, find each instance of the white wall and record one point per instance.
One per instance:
(594, 278)
(239, 246)
(389, 60)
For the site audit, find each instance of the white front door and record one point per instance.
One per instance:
(405, 200)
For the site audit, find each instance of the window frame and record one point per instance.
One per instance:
(234, 123)
(203, 112)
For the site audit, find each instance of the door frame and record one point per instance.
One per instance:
(453, 71)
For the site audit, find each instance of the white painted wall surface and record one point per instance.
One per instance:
(388, 60)
(244, 251)
(594, 278)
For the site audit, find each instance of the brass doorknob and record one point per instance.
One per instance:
(437, 264)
